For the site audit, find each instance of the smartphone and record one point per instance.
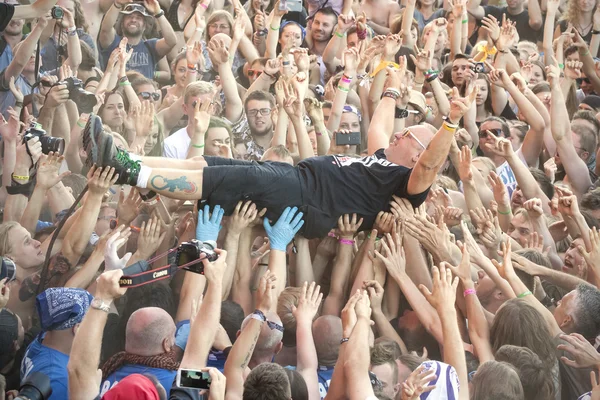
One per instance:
(290, 5)
(193, 379)
(351, 139)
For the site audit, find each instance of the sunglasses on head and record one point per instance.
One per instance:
(146, 95)
(495, 132)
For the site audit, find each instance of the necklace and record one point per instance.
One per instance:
(581, 32)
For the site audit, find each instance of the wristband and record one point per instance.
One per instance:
(344, 340)
(469, 291)
(431, 77)
(595, 32)
(587, 51)
(524, 294)
(346, 79)
(343, 89)
(465, 21)
(123, 79)
(19, 104)
(561, 66)
(339, 34)
(160, 14)
(362, 34)
(192, 67)
(273, 29)
(198, 146)
(285, 63)
(126, 83)
(203, 6)
(505, 212)
(259, 315)
(80, 124)
(21, 177)
(449, 127)
(156, 75)
(331, 234)
(347, 241)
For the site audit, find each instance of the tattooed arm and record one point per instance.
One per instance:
(242, 350)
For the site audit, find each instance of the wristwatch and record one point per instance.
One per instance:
(262, 32)
(101, 305)
(401, 113)
(160, 14)
(258, 315)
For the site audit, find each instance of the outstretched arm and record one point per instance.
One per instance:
(425, 171)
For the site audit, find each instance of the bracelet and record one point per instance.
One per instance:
(198, 146)
(159, 14)
(156, 75)
(20, 177)
(465, 21)
(561, 66)
(362, 34)
(285, 63)
(346, 79)
(80, 124)
(203, 6)
(340, 35)
(318, 133)
(347, 241)
(469, 291)
(449, 126)
(343, 89)
(587, 51)
(332, 234)
(505, 212)
(524, 294)
(19, 104)
(273, 29)
(431, 77)
(595, 32)
(124, 78)
(126, 83)
(344, 340)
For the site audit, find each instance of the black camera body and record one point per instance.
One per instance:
(193, 250)
(478, 68)
(57, 12)
(8, 270)
(49, 143)
(86, 101)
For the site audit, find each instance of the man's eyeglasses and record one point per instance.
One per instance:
(406, 132)
(262, 111)
(274, 326)
(254, 73)
(495, 132)
(146, 95)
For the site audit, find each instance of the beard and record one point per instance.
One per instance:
(260, 132)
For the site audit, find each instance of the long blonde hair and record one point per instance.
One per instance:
(5, 229)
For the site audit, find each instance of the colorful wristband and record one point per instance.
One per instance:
(198, 146)
(346, 79)
(80, 124)
(20, 177)
(126, 83)
(274, 29)
(343, 89)
(505, 212)
(340, 35)
(527, 293)
(203, 6)
(469, 291)
(347, 241)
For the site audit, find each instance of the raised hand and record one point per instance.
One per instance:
(351, 59)
(394, 257)
(499, 77)
(417, 383)
(284, 230)
(345, 22)
(143, 118)
(501, 146)
(100, 180)
(117, 239)
(107, 286)
(498, 189)
(375, 294)
(392, 46)
(490, 24)
(214, 271)
(194, 54)
(209, 225)
(423, 60)
(348, 315)
(218, 52)
(534, 208)
(150, 237)
(363, 307)
(16, 92)
(384, 222)
(460, 105)
(443, 292)
(348, 226)
(10, 130)
(465, 164)
(573, 69)
(243, 215)
(201, 117)
(508, 35)
(47, 171)
(583, 353)
(265, 294)
(308, 303)
(401, 208)
(292, 103)
(550, 168)
(152, 6)
(302, 59)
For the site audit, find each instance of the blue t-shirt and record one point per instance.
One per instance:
(325, 374)
(164, 376)
(50, 362)
(6, 56)
(143, 59)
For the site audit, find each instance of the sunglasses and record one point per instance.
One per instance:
(495, 132)
(254, 72)
(274, 326)
(146, 95)
(406, 133)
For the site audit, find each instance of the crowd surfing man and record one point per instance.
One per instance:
(403, 196)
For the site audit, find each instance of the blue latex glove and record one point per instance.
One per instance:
(209, 225)
(282, 233)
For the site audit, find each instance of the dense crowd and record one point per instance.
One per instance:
(288, 200)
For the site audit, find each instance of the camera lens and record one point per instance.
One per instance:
(36, 387)
(56, 145)
(8, 270)
(57, 12)
(86, 101)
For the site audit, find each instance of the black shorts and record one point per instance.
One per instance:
(273, 185)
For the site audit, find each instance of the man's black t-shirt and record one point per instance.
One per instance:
(337, 185)
(522, 22)
(6, 13)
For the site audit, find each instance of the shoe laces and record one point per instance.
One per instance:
(123, 158)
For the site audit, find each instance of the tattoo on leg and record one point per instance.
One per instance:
(159, 182)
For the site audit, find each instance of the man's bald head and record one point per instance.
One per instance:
(150, 331)
(327, 332)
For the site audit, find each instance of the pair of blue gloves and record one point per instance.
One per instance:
(280, 234)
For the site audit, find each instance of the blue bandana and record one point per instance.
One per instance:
(62, 308)
(284, 23)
